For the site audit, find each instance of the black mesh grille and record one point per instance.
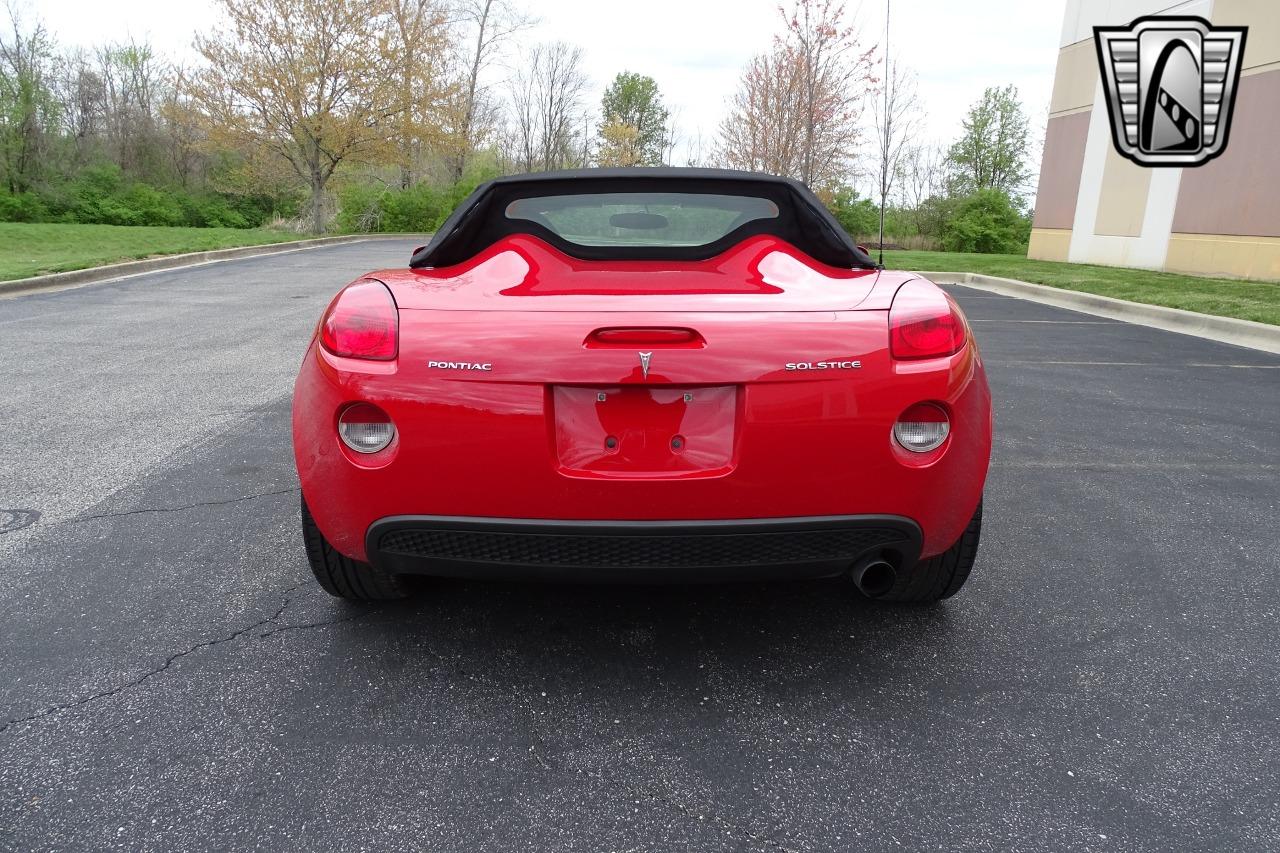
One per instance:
(639, 550)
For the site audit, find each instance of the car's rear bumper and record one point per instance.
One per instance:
(664, 551)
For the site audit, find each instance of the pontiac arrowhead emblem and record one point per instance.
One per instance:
(644, 363)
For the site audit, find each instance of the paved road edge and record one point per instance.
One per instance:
(1227, 330)
(111, 272)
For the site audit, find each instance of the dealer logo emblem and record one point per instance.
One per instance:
(1170, 85)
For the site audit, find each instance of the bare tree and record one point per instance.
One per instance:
(695, 154)
(184, 134)
(546, 108)
(923, 179)
(798, 107)
(761, 131)
(672, 137)
(834, 78)
(133, 81)
(896, 116)
(494, 21)
(81, 97)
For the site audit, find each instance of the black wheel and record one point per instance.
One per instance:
(340, 575)
(940, 576)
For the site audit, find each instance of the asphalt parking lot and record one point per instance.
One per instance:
(171, 678)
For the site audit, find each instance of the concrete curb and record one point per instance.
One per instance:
(1227, 330)
(111, 272)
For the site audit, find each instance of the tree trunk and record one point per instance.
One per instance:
(317, 202)
(469, 108)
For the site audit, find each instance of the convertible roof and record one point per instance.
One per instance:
(480, 220)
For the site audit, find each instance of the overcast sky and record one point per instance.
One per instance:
(696, 49)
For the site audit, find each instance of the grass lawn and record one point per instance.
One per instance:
(1246, 300)
(33, 249)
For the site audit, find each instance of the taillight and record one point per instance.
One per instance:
(922, 428)
(924, 323)
(362, 323)
(365, 428)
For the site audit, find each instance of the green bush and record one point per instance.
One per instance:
(360, 208)
(986, 222)
(420, 208)
(213, 211)
(149, 206)
(23, 207)
(392, 209)
(933, 214)
(101, 195)
(856, 216)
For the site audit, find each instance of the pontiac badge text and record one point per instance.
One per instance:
(460, 365)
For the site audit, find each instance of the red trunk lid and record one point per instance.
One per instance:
(643, 369)
(522, 273)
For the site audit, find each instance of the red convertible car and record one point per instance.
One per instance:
(642, 374)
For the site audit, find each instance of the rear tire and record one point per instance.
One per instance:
(342, 576)
(940, 576)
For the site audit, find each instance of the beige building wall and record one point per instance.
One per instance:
(1094, 206)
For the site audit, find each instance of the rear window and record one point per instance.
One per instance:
(642, 218)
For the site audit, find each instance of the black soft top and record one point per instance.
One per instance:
(803, 221)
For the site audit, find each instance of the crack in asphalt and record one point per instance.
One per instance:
(169, 661)
(660, 791)
(321, 624)
(183, 508)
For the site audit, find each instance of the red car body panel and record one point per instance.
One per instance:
(527, 438)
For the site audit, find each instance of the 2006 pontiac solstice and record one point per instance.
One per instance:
(642, 374)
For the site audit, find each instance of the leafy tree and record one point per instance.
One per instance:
(986, 221)
(992, 151)
(931, 216)
(297, 96)
(27, 107)
(856, 216)
(619, 145)
(633, 100)
(308, 81)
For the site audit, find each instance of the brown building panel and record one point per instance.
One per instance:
(1064, 140)
(1239, 192)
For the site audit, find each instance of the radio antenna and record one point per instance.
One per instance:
(884, 130)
